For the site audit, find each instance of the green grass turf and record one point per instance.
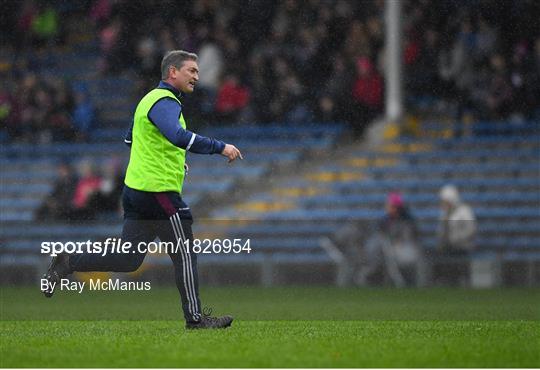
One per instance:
(275, 327)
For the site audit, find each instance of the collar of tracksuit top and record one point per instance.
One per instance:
(171, 88)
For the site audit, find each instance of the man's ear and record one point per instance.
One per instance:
(172, 72)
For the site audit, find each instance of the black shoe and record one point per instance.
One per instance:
(58, 269)
(209, 322)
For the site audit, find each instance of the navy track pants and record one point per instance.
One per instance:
(148, 216)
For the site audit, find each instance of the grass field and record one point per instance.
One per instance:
(274, 327)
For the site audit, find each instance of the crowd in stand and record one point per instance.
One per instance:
(259, 61)
(299, 61)
(83, 193)
(289, 61)
(43, 110)
(482, 59)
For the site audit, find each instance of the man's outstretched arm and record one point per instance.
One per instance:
(164, 114)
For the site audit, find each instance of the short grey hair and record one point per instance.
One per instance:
(175, 58)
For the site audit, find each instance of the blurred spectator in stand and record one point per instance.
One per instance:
(288, 99)
(457, 225)
(291, 101)
(61, 127)
(375, 30)
(421, 78)
(394, 246)
(83, 115)
(232, 99)
(9, 114)
(261, 94)
(519, 73)
(107, 197)
(147, 63)
(45, 25)
(210, 65)
(334, 104)
(59, 120)
(88, 185)
(57, 205)
(39, 110)
(25, 98)
(533, 79)
(110, 46)
(357, 42)
(25, 20)
(100, 12)
(210, 69)
(166, 40)
(347, 245)
(486, 40)
(500, 94)
(367, 94)
(456, 235)
(456, 66)
(479, 93)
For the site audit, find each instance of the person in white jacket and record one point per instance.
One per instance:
(457, 224)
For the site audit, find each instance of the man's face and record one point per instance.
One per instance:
(184, 79)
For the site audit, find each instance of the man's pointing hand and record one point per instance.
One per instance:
(231, 152)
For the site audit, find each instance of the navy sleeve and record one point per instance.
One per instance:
(129, 135)
(164, 114)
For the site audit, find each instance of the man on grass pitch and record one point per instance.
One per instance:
(151, 199)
